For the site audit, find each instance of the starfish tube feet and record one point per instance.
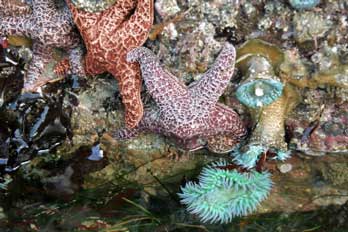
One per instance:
(221, 144)
(76, 62)
(93, 5)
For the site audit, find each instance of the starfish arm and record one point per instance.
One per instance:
(35, 75)
(211, 86)
(137, 28)
(129, 80)
(76, 62)
(13, 8)
(164, 87)
(53, 26)
(40, 5)
(93, 66)
(84, 20)
(121, 10)
(223, 120)
(109, 19)
(19, 26)
(150, 122)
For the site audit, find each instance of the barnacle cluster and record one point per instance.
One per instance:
(330, 64)
(93, 5)
(310, 26)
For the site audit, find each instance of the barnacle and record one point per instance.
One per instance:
(93, 5)
(222, 194)
(310, 26)
(331, 69)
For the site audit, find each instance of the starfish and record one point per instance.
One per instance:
(109, 35)
(13, 7)
(190, 114)
(49, 27)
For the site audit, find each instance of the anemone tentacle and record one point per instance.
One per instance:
(222, 195)
(249, 158)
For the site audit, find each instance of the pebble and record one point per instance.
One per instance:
(284, 168)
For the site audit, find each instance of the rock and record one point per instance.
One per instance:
(335, 173)
(167, 8)
(2, 215)
(326, 135)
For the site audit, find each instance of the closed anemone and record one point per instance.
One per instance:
(222, 195)
(260, 87)
(259, 93)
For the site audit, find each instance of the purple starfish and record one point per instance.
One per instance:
(13, 7)
(190, 114)
(49, 27)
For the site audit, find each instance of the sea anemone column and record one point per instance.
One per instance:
(262, 88)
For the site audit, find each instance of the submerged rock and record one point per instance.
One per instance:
(325, 134)
(336, 173)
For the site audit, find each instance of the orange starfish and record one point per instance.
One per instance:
(109, 35)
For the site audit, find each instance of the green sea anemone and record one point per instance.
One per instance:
(260, 87)
(269, 132)
(223, 194)
(249, 157)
